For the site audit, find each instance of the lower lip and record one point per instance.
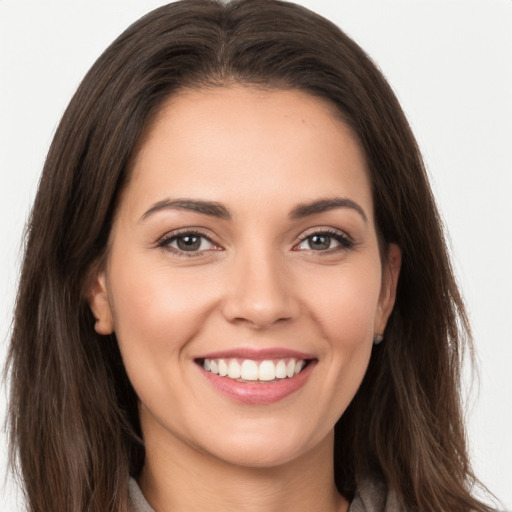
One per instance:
(259, 392)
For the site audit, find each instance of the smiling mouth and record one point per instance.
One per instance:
(250, 370)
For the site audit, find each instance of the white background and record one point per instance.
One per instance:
(450, 63)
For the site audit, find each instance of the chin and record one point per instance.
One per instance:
(262, 450)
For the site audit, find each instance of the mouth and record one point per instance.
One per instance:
(257, 377)
(252, 370)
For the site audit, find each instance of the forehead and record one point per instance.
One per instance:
(272, 145)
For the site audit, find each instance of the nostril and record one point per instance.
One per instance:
(259, 314)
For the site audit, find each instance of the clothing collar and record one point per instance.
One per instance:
(371, 496)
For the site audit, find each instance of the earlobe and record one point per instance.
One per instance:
(97, 297)
(391, 272)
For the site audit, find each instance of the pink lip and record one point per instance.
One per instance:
(256, 354)
(258, 392)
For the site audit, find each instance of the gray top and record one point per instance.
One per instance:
(370, 497)
(137, 501)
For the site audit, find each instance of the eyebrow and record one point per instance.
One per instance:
(324, 205)
(215, 209)
(210, 208)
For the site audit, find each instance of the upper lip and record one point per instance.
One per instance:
(256, 354)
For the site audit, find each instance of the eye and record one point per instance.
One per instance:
(324, 241)
(187, 242)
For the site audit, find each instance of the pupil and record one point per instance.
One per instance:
(189, 243)
(318, 242)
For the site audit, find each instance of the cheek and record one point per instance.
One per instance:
(156, 314)
(155, 310)
(345, 304)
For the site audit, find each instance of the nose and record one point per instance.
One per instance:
(260, 292)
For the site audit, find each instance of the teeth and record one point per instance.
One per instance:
(290, 368)
(267, 371)
(223, 368)
(281, 369)
(250, 370)
(233, 369)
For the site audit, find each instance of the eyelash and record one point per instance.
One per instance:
(345, 242)
(166, 240)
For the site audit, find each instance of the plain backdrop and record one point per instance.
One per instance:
(450, 63)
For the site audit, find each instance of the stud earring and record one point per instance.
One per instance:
(378, 339)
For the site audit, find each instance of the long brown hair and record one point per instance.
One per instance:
(75, 435)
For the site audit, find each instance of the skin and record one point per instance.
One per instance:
(257, 283)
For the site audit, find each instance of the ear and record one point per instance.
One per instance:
(390, 273)
(97, 297)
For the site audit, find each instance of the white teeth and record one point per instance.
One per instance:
(234, 369)
(298, 366)
(223, 368)
(251, 370)
(267, 371)
(290, 368)
(281, 369)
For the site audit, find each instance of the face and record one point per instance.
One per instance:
(244, 280)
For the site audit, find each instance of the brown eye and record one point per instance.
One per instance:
(325, 241)
(189, 242)
(319, 242)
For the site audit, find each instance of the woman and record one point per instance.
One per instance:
(235, 269)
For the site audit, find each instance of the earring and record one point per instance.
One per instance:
(378, 339)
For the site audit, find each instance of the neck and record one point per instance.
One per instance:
(178, 478)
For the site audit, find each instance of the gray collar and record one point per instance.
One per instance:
(137, 501)
(370, 497)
